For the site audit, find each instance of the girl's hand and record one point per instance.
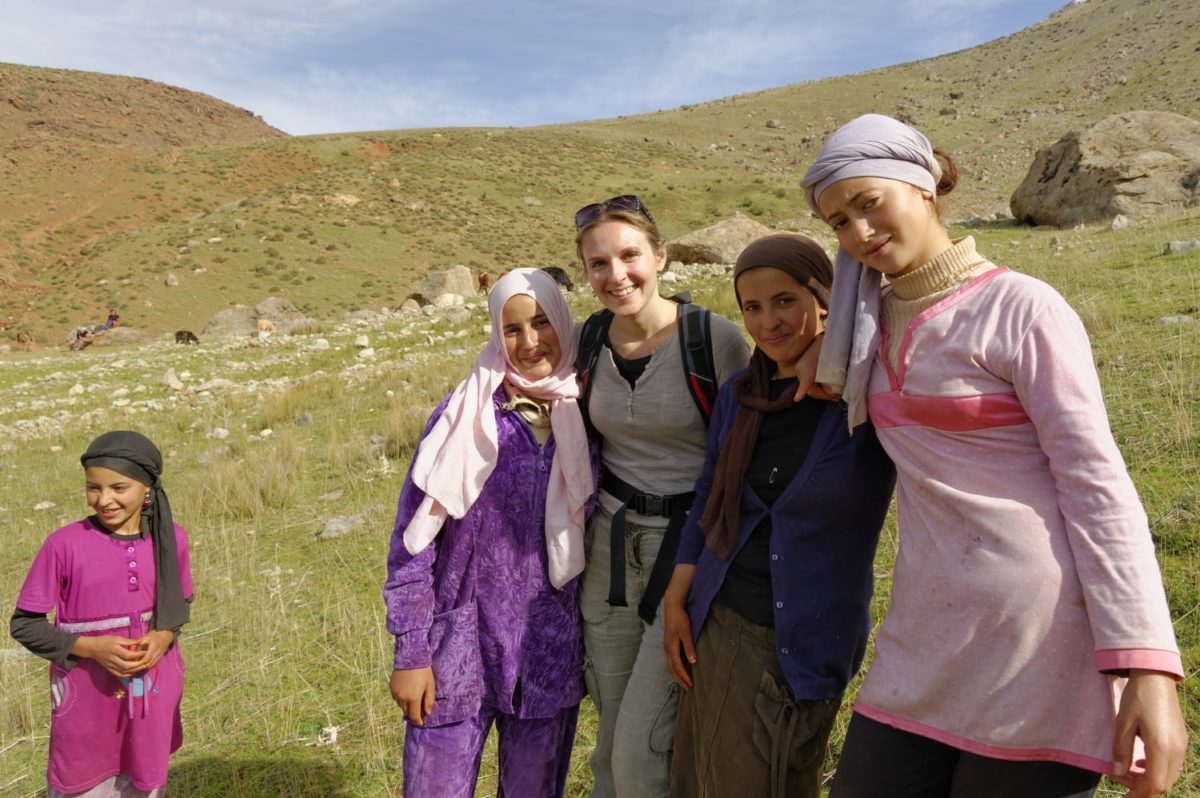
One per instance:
(112, 652)
(413, 691)
(806, 373)
(1150, 710)
(677, 626)
(151, 647)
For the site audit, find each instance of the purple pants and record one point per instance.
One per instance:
(535, 755)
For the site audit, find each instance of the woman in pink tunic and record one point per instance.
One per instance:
(1028, 645)
(118, 584)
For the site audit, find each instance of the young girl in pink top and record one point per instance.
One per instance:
(118, 584)
(1028, 645)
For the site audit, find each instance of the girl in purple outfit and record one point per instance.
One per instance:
(481, 589)
(118, 583)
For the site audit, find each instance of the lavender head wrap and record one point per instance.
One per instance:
(872, 145)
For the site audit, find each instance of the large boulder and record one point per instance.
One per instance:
(720, 243)
(455, 280)
(1136, 164)
(237, 320)
(280, 312)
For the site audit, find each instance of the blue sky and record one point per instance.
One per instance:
(318, 66)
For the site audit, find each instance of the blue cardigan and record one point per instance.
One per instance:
(825, 527)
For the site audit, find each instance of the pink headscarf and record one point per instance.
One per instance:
(871, 145)
(459, 454)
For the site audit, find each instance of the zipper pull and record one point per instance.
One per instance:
(542, 458)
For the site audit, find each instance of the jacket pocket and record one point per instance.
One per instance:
(791, 734)
(63, 691)
(457, 665)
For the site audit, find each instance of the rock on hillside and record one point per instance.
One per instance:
(1134, 164)
(455, 280)
(719, 243)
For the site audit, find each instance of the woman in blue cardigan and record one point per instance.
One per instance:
(768, 611)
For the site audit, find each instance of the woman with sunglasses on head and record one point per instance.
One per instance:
(481, 591)
(638, 394)
(768, 611)
(1028, 640)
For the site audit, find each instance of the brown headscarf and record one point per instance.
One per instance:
(805, 260)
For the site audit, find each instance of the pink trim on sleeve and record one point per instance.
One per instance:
(1149, 659)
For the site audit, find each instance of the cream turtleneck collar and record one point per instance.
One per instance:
(923, 286)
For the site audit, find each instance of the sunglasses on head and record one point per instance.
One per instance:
(626, 202)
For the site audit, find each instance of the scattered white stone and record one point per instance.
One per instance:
(362, 342)
(122, 391)
(219, 433)
(1177, 247)
(670, 277)
(338, 525)
(172, 381)
(215, 240)
(1119, 222)
(366, 354)
(44, 506)
(76, 390)
(1176, 320)
(266, 433)
(320, 343)
(56, 448)
(389, 393)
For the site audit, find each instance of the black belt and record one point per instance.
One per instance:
(673, 506)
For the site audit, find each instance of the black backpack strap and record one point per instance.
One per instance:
(591, 339)
(695, 346)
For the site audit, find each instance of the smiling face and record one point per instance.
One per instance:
(781, 315)
(622, 266)
(889, 225)
(115, 498)
(529, 338)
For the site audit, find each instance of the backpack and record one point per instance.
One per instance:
(695, 347)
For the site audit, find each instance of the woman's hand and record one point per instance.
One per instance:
(151, 647)
(413, 690)
(806, 373)
(114, 653)
(677, 627)
(1150, 710)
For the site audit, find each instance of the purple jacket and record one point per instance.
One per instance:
(477, 603)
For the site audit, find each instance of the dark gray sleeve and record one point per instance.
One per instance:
(36, 633)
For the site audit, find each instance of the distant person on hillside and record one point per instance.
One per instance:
(1026, 595)
(119, 584)
(650, 368)
(482, 587)
(768, 612)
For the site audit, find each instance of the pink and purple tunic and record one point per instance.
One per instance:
(101, 726)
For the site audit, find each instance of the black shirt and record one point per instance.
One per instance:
(781, 447)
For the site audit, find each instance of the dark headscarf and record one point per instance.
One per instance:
(133, 455)
(805, 260)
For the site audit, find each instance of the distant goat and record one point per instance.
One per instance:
(24, 340)
(186, 337)
(560, 276)
(266, 326)
(485, 282)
